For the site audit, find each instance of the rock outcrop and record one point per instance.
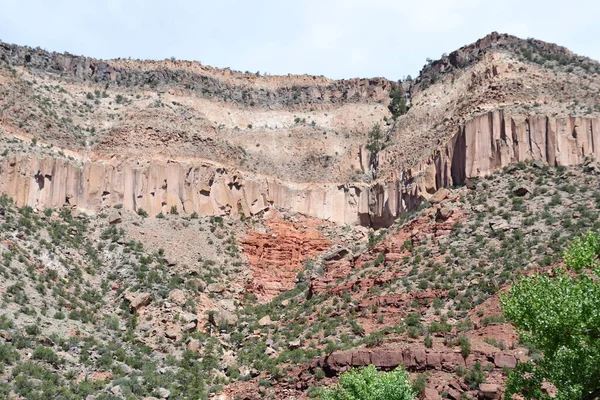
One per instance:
(276, 257)
(223, 84)
(411, 358)
(481, 146)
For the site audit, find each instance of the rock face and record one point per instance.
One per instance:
(411, 358)
(481, 146)
(202, 80)
(277, 256)
(155, 187)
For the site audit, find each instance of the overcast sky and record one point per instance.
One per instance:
(335, 38)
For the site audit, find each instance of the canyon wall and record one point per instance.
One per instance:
(46, 181)
(481, 146)
(248, 89)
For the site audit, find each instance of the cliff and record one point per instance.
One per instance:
(481, 146)
(154, 135)
(223, 84)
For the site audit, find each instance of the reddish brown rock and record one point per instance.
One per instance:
(431, 394)
(505, 360)
(409, 358)
(361, 358)
(387, 359)
(434, 361)
(450, 361)
(489, 391)
(276, 257)
(420, 357)
(339, 360)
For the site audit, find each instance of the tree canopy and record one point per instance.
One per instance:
(560, 316)
(397, 105)
(369, 384)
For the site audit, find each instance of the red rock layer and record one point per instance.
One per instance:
(277, 256)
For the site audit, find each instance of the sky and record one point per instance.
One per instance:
(334, 38)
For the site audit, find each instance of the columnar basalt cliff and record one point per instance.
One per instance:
(481, 146)
(47, 182)
(163, 134)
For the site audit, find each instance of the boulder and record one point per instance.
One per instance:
(502, 360)
(471, 184)
(116, 390)
(537, 164)
(489, 391)
(361, 358)
(173, 332)
(137, 300)
(115, 218)
(335, 253)
(188, 317)
(163, 393)
(440, 196)
(443, 213)
(177, 296)
(387, 358)
(500, 225)
(431, 394)
(338, 361)
(420, 357)
(215, 288)
(434, 361)
(264, 321)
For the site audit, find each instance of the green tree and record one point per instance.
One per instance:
(374, 145)
(369, 384)
(398, 103)
(560, 316)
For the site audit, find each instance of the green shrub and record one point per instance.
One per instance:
(397, 105)
(8, 354)
(465, 345)
(475, 376)
(419, 384)
(559, 315)
(45, 354)
(428, 341)
(369, 384)
(319, 373)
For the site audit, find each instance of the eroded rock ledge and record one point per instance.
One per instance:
(484, 144)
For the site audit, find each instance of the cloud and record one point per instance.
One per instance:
(336, 38)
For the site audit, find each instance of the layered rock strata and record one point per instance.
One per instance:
(479, 147)
(204, 81)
